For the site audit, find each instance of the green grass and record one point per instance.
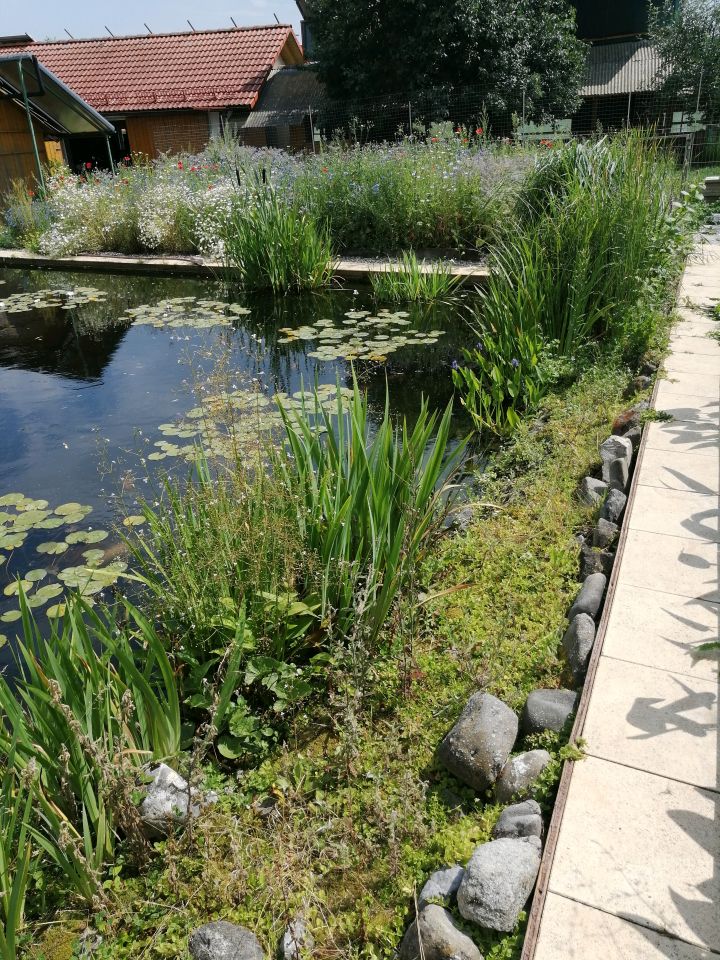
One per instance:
(414, 280)
(362, 813)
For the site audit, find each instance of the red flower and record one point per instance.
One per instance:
(180, 164)
(31, 193)
(479, 131)
(126, 159)
(324, 170)
(88, 166)
(433, 139)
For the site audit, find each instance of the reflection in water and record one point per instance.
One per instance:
(83, 387)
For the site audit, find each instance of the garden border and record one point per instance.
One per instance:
(541, 888)
(356, 270)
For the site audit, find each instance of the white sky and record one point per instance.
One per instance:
(48, 19)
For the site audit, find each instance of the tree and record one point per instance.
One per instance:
(367, 48)
(687, 36)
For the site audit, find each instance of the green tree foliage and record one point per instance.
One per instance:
(509, 47)
(687, 35)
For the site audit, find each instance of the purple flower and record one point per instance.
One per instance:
(455, 365)
(514, 363)
(480, 347)
(376, 188)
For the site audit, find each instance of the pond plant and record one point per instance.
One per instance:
(414, 280)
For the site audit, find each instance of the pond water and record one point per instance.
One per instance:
(106, 381)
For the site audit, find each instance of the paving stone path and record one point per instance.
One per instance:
(636, 869)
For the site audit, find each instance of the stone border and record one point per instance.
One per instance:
(349, 270)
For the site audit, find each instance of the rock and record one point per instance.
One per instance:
(498, 880)
(462, 519)
(297, 942)
(613, 507)
(441, 940)
(477, 747)
(592, 491)
(614, 448)
(224, 941)
(519, 820)
(618, 474)
(519, 774)
(595, 561)
(648, 368)
(166, 803)
(590, 598)
(578, 643)
(547, 710)
(605, 533)
(634, 435)
(441, 885)
(638, 385)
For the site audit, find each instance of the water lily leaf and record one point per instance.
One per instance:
(133, 521)
(34, 504)
(10, 616)
(156, 455)
(11, 540)
(56, 610)
(12, 588)
(35, 575)
(52, 523)
(11, 499)
(93, 556)
(66, 508)
(52, 547)
(3, 639)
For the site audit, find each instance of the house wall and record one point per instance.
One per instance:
(167, 132)
(17, 161)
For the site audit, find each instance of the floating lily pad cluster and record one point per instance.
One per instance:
(186, 312)
(239, 420)
(362, 336)
(19, 517)
(56, 297)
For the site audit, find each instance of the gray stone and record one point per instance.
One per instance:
(578, 643)
(441, 885)
(518, 775)
(614, 448)
(166, 803)
(297, 942)
(613, 507)
(605, 533)
(463, 518)
(592, 491)
(224, 941)
(547, 710)
(595, 561)
(618, 474)
(498, 880)
(519, 820)
(434, 936)
(634, 435)
(590, 598)
(637, 386)
(477, 747)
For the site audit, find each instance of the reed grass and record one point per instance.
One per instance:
(414, 280)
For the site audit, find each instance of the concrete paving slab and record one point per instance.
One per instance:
(697, 328)
(691, 363)
(678, 513)
(681, 566)
(574, 931)
(685, 406)
(697, 345)
(642, 847)
(643, 717)
(674, 470)
(687, 437)
(663, 631)
(699, 385)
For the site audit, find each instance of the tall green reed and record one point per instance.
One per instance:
(16, 854)
(414, 280)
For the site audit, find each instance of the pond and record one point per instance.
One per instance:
(108, 381)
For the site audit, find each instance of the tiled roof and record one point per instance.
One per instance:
(205, 70)
(286, 98)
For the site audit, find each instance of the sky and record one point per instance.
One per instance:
(48, 19)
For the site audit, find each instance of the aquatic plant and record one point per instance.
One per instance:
(16, 853)
(413, 280)
(91, 704)
(269, 245)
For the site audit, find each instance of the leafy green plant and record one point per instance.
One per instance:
(92, 704)
(16, 854)
(269, 245)
(414, 281)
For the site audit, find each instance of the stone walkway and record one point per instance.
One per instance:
(636, 868)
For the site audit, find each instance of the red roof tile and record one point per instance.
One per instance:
(206, 70)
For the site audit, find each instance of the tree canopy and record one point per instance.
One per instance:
(687, 35)
(374, 47)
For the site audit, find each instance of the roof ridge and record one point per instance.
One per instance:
(169, 33)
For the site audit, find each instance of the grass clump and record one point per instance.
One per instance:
(414, 280)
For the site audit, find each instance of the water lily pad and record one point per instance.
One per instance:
(12, 540)
(68, 508)
(93, 557)
(11, 499)
(133, 521)
(55, 611)
(86, 536)
(36, 575)
(3, 639)
(10, 616)
(51, 523)
(13, 588)
(52, 547)
(34, 504)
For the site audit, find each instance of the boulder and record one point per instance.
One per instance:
(477, 747)
(166, 803)
(519, 820)
(605, 533)
(578, 643)
(590, 597)
(519, 773)
(441, 885)
(592, 491)
(224, 941)
(498, 880)
(634, 436)
(547, 710)
(614, 448)
(629, 419)
(297, 942)
(434, 936)
(613, 507)
(595, 561)
(618, 474)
